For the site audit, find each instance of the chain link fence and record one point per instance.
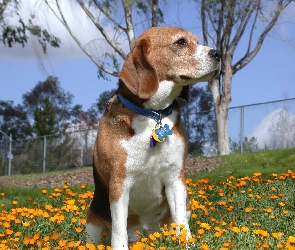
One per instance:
(255, 127)
(48, 153)
(264, 126)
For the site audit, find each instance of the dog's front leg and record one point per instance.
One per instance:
(177, 198)
(119, 212)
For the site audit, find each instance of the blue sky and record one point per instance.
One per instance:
(268, 77)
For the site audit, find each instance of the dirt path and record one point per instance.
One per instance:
(84, 176)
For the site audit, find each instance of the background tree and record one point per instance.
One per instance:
(199, 121)
(12, 34)
(250, 145)
(97, 109)
(224, 24)
(45, 119)
(51, 91)
(14, 120)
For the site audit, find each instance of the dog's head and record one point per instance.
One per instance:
(168, 55)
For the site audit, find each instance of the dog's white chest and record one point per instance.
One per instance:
(149, 168)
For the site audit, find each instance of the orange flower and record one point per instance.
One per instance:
(26, 240)
(137, 246)
(247, 209)
(17, 234)
(62, 243)
(55, 236)
(8, 231)
(83, 221)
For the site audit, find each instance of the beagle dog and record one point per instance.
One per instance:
(140, 150)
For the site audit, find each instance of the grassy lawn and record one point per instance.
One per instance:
(246, 203)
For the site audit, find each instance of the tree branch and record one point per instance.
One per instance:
(155, 10)
(3, 6)
(249, 56)
(252, 29)
(102, 9)
(129, 23)
(101, 29)
(64, 22)
(219, 38)
(204, 23)
(241, 29)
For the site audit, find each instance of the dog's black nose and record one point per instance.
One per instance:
(215, 54)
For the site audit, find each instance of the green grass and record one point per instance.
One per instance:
(248, 202)
(239, 165)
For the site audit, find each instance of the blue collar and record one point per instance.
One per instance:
(153, 114)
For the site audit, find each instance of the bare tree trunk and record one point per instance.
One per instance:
(221, 113)
(221, 105)
(222, 128)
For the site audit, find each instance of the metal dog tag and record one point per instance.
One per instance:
(159, 133)
(153, 142)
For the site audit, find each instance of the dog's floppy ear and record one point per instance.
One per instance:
(137, 73)
(184, 94)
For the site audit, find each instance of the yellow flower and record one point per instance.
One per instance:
(204, 246)
(92, 247)
(137, 246)
(245, 229)
(291, 239)
(277, 235)
(201, 231)
(217, 234)
(205, 225)
(235, 229)
(267, 210)
(26, 224)
(157, 235)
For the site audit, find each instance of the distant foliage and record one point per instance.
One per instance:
(45, 119)
(198, 120)
(249, 145)
(13, 34)
(14, 120)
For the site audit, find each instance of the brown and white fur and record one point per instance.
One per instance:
(138, 187)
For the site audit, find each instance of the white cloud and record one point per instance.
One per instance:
(77, 20)
(276, 130)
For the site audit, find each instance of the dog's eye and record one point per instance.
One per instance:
(181, 42)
